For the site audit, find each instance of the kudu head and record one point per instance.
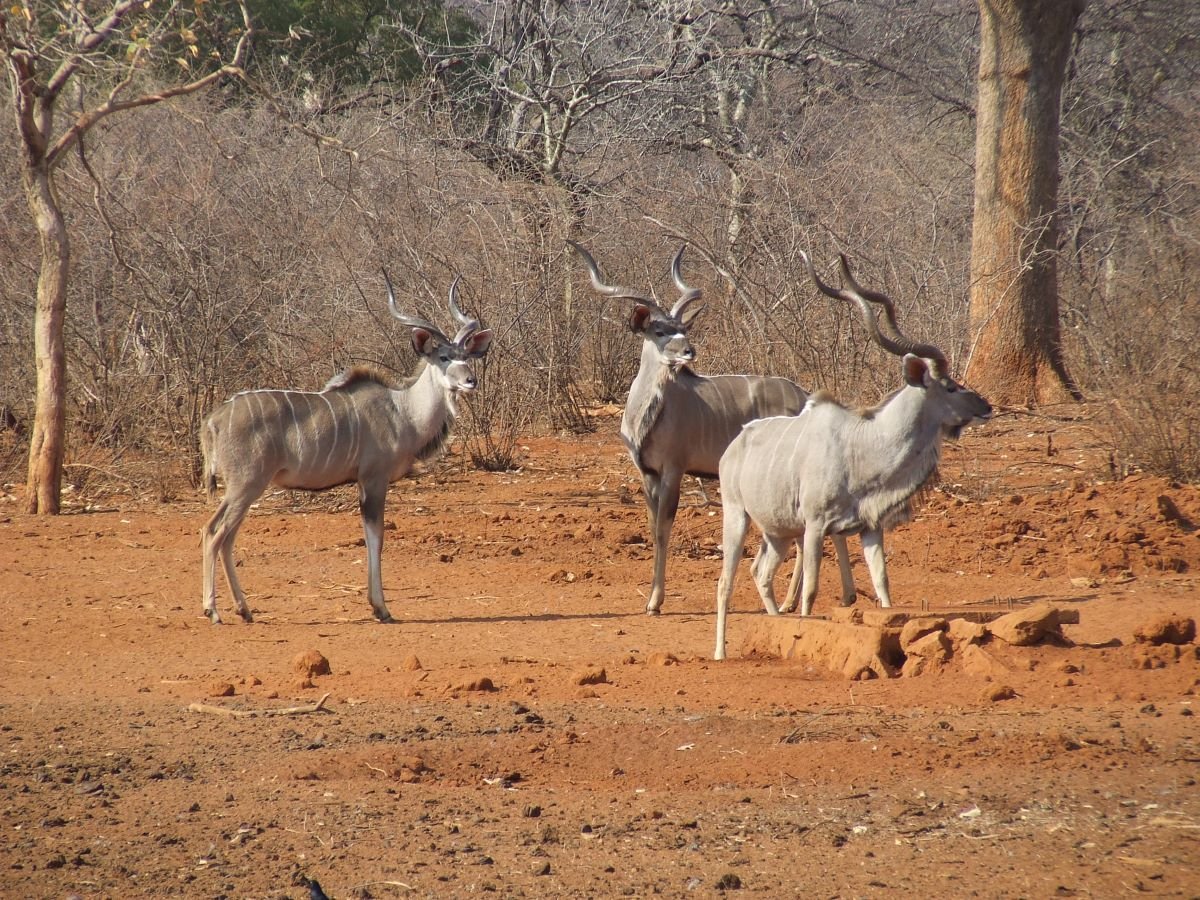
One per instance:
(925, 366)
(666, 331)
(453, 358)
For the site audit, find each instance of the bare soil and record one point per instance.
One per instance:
(525, 730)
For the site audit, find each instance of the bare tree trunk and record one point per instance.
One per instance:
(46, 445)
(1024, 47)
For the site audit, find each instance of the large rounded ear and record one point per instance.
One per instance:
(689, 314)
(423, 341)
(916, 370)
(639, 317)
(478, 343)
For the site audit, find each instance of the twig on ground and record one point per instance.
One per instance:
(319, 706)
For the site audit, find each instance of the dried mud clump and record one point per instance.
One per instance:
(310, 663)
(1167, 630)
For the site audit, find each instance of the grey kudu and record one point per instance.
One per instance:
(833, 470)
(358, 428)
(679, 423)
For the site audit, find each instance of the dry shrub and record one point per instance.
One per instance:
(1136, 347)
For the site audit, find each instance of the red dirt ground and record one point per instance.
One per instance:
(463, 752)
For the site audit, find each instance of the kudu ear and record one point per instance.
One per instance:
(639, 317)
(689, 314)
(423, 341)
(478, 343)
(916, 371)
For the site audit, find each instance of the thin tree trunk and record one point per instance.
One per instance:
(1018, 356)
(46, 445)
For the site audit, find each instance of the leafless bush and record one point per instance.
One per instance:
(221, 248)
(1135, 337)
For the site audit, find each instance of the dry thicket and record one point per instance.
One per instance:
(220, 248)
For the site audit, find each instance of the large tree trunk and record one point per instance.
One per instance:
(1024, 47)
(46, 444)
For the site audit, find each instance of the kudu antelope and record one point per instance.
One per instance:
(679, 423)
(356, 429)
(832, 470)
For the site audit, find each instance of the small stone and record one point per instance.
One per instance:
(411, 663)
(221, 689)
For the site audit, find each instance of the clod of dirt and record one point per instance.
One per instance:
(933, 645)
(221, 689)
(964, 632)
(591, 675)
(916, 629)
(997, 692)
(662, 658)
(408, 770)
(411, 663)
(1169, 511)
(1167, 630)
(729, 882)
(484, 684)
(310, 663)
(1026, 627)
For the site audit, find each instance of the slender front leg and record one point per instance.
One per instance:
(793, 594)
(733, 537)
(872, 542)
(667, 496)
(371, 497)
(843, 558)
(813, 538)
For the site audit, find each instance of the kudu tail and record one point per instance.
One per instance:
(208, 438)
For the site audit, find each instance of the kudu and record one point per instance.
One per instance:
(679, 423)
(356, 429)
(832, 470)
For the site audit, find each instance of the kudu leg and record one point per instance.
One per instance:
(843, 558)
(872, 542)
(766, 564)
(793, 593)
(208, 568)
(666, 495)
(370, 503)
(813, 539)
(733, 536)
(220, 533)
